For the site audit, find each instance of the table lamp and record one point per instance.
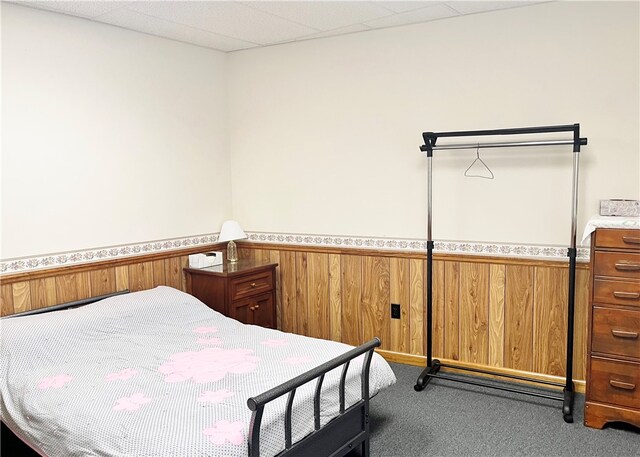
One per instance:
(230, 231)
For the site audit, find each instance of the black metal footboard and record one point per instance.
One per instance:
(347, 431)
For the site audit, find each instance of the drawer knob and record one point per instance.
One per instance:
(628, 266)
(253, 308)
(632, 295)
(625, 334)
(622, 385)
(253, 284)
(631, 239)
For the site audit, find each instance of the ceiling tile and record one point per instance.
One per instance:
(429, 13)
(159, 27)
(403, 7)
(341, 31)
(84, 9)
(464, 7)
(320, 15)
(226, 18)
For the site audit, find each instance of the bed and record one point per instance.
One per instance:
(158, 373)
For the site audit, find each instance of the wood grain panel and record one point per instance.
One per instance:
(550, 321)
(159, 277)
(335, 298)
(438, 309)
(351, 268)
(399, 293)
(288, 290)
(451, 310)
(6, 299)
(173, 272)
(43, 292)
(375, 299)
(474, 313)
(21, 296)
(318, 295)
(122, 277)
(140, 276)
(518, 317)
(274, 256)
(496, 315)
(67, 288)
(417, 305)
(580, 326)
(302, 322)
(103, 281)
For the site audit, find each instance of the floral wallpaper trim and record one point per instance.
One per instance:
(419, 245)
(24, 264)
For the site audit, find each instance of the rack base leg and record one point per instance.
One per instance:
(424, 377)
(567, 404)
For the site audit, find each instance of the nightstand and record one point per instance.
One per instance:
(243, 290)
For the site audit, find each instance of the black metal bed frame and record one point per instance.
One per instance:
(347, 432)
(432, 370)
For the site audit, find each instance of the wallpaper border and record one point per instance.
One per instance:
(24, 264)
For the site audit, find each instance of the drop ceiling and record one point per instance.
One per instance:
(235, 25)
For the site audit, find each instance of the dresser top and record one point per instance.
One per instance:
(230, 269)
(597, 222)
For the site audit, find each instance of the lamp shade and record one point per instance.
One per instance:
(230, 231)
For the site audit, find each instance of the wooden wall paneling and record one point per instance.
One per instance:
(173, 272)
(122, 277)
(518, 317)
(474, 312)
(351, 269)
(335, 298)
(159, 277)
(496, 315)
(451, 310)
(6, 299)
(288, 290)
(318, 295)
(580, 324)
(102, 281)
(302, 322)
(550, 320)
(243, 253)
(417, 305)
(274, 256)
(66, 288)
(43, 292)
(140, 276)
(375, 299)
(399, 292)
(21, 296)
(438, 309)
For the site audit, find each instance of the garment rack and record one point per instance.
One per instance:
(432, 370)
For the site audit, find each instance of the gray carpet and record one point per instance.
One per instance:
(454, 419)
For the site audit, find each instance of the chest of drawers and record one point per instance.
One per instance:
(243, 290)
(613, 366)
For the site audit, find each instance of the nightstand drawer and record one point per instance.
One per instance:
(618, 239)
(615, 382)
(618, 264)
(247, 286)
(616, 292)
(616, 332)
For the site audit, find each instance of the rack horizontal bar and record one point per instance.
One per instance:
(503, 375)
(508, 144)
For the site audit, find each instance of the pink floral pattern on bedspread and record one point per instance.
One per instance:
(54, 382)
(208, 365)
(223, 431)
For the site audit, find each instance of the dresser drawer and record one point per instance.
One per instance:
(615, 332)
(618, 238)
(619, 264)
(615, 382)
(616, 292)
(247, 286)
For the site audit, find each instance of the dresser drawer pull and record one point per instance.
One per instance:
(628, 266)
(631, 239)
(253, 284)
(631, 295)
(253, 308)
(622, 385)
(625, 334)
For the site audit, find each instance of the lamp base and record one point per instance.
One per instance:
(232, 252)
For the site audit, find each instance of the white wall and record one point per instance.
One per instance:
(325, 133)
(108, 136)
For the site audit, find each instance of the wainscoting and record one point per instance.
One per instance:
(504, 313)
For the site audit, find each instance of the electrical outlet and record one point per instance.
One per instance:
(395, 311)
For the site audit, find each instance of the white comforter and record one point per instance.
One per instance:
(158, 373)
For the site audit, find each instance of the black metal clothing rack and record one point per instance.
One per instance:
(432, 369)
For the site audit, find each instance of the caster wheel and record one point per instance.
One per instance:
(568, 418)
